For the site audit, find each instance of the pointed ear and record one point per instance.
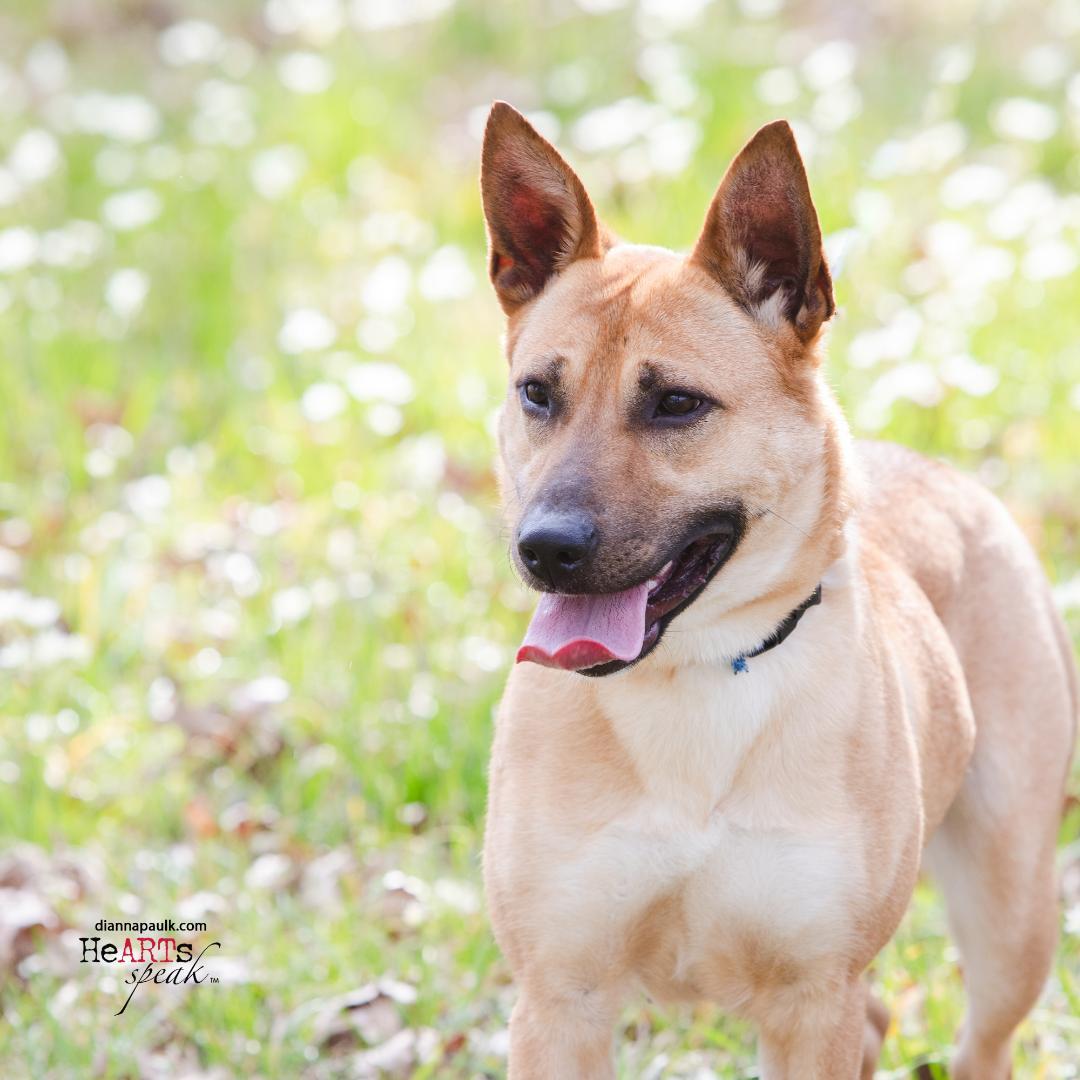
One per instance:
(539, 218)
(762, 240)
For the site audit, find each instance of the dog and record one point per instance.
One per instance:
(773, 673)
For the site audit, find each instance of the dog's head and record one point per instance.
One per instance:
(666, 418)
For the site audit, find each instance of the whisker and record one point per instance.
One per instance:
(770, 510)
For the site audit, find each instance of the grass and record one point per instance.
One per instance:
(282, 608)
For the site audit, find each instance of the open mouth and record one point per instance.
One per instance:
(603, 633)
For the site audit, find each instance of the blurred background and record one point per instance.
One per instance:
(255, 608)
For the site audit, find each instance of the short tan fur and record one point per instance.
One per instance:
(753, 839)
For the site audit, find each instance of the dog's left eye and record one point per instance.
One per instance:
(676, 404)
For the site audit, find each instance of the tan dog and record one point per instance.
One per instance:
(705, 819)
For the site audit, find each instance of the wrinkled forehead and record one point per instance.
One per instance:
(636, 305)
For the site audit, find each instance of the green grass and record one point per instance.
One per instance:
(358, 556)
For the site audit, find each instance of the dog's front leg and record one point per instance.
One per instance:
(559, 1037)
(818, 1037)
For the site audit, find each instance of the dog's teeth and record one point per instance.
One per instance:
(661, 577)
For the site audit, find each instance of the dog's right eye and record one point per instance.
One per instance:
(536, 395)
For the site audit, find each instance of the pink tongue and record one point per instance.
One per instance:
(575, 632)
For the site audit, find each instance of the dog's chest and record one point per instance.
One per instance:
(718, 877)
(709, 909)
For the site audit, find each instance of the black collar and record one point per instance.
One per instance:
(791, 620)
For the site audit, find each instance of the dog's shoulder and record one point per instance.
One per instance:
(932, 520)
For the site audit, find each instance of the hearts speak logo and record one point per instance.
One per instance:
(160, 960)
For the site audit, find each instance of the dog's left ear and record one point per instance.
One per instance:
(762, 240)
(539, 217)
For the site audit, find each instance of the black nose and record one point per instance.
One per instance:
(556, 545)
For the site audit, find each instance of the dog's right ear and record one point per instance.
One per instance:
(539, 218)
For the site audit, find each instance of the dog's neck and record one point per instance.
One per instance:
(689, 722)
(740, 663)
